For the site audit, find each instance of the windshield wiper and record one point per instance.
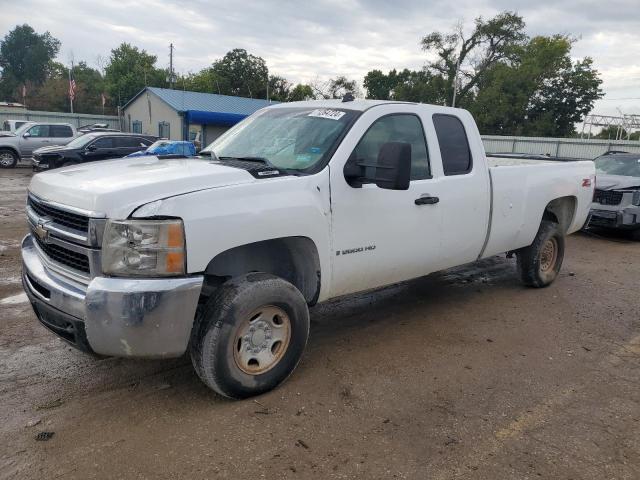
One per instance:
(262, 160)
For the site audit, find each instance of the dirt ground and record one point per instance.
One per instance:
(462, 374)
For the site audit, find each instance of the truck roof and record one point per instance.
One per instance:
(357, 104)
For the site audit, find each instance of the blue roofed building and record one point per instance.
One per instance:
(182, 115)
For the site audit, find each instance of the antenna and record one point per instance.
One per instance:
(171, 78)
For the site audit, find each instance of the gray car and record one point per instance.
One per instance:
(616, 202)
(30, 137)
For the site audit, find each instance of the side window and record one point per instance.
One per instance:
(39, 131)
(61, 131)
(396, 128)
(126, 142)
(454, 145)
(136, 126)
(163, 130)
(104, 142)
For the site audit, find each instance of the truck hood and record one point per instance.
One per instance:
(117, 187)
(616, 182)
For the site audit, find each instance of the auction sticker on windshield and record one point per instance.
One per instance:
(327, 113)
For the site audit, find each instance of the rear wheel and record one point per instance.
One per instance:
(540, 262)
(250, 335)
(8, 159)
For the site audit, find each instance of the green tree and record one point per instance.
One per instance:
(301, 92)
(491, 41)
(540, 92)
(279, 88)
(129, 70)
(25, 59)
(242, 74)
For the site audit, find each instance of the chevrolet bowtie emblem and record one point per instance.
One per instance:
(41, 232)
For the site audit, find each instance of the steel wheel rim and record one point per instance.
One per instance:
(6, 159)
(262, 340)
(549, 255)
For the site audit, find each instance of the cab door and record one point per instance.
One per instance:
(101, 148)
(384, 236)
(35, 137)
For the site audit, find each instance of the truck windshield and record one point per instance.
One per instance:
(287, 138)
(628, 166)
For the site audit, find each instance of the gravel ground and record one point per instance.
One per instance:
(461, 374)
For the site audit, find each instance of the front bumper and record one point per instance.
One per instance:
(39, 163)
(625, 218)
(121, 317)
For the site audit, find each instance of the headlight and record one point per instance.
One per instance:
(149, 248)
(636, 198)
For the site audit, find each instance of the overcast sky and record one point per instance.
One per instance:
(303, 41)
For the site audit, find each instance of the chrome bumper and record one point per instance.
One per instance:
(122, 317)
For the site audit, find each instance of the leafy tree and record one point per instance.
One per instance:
(491, 41)
(25, 59)
(541, 92)
(279, 88)
(300, 92)
(129, 70)
(242, 74)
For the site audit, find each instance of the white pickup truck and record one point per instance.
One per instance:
(221, 255)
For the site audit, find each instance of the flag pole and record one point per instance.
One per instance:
(70, 94)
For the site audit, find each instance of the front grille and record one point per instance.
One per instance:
(59, 216)
(64, 256)
(607, 197)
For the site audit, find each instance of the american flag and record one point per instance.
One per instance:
(72, 87)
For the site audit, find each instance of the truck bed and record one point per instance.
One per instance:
(520, 191)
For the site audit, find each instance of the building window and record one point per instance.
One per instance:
(163, 130)
(136, 126)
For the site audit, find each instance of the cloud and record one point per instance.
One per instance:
(325, 38)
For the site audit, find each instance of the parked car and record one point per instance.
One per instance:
(616, 202)
(303, 202)
(9, 127)
(30, 137)
(89, 148)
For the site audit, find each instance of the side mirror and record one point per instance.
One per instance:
(392, 171)
(26, 135)
(91, 148)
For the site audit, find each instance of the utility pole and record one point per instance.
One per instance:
(72, 87)
(171, 79)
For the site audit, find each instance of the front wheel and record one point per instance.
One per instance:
(250, 335)
(8, 159)
(540, 262)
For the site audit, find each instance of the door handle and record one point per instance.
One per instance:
(426, 200)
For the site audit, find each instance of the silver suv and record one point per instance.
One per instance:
(616, 202)
(31, 136)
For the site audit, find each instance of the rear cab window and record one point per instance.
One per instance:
(454, 144)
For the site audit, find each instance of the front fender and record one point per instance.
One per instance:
(220, 219)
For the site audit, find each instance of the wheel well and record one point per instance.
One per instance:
(294, 259)
(562, 211)
(12, 150)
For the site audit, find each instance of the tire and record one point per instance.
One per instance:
(8, 159)
(635, 235)
(540, 262)
(232, 359)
